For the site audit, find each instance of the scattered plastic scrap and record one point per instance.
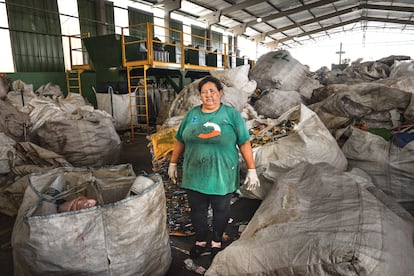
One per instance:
(181, 250)
(178, 211)
(190, 265)
(263, 133)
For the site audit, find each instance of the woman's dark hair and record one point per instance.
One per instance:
(210, 79)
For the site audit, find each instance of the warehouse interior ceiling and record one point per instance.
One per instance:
(293, 22)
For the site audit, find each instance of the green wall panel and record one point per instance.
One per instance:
(35, 35)
(174, 35)
(229, 45)
(87, 17)
(40, 78)
(195, 40)
(110, 17)
(217, 41)
(135, 17)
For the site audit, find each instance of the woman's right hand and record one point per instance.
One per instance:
(172, 172)
(252, 181)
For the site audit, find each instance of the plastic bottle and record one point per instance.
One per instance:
(190, 265)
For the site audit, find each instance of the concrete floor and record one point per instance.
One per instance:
(137, 153)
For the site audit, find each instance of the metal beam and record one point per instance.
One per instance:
(214, 17)
(362, 18)
(293, 11)
(321, 3)
(320, 29)
(339, 13)
(313, 20)
(240, 6)
(388, 20)
(387, 8)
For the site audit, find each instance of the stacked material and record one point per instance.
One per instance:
(372, 104)
(366, 71)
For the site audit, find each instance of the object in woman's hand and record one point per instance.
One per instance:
(77, 204)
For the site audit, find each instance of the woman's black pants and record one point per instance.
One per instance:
(199, 204)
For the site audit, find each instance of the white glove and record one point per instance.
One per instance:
(172, 172)
(252, 180)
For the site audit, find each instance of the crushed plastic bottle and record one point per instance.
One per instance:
(190, 265)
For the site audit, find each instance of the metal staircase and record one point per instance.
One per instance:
(73, 81)
(138, 93)
(73, 75)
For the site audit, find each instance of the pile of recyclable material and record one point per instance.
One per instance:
(263, 133)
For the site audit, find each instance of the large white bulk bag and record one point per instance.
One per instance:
(126, 234)
(86, 137)
(390, 166)
(309, 142)
(119, 107)
(317, 220)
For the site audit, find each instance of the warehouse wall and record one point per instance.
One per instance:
(35, 35)
(88, 17)
(40, 78)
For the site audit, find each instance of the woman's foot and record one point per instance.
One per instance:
(215, 248)
(198, 249)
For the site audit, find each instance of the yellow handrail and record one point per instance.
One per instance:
(150, 42)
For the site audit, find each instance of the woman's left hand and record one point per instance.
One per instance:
(172, 172)
(252, 181)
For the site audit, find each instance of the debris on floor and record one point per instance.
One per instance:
(190, 265)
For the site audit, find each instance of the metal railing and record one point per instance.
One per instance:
(142, 48)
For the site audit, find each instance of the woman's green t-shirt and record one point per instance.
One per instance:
(211, 158)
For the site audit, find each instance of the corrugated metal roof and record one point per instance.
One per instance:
(290, 22)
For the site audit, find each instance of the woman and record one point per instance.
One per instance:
(209, 135)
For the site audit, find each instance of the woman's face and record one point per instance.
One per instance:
(210, 96)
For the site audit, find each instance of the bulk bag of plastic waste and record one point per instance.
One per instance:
(309, 141)
(125, 233)
(318, 220)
